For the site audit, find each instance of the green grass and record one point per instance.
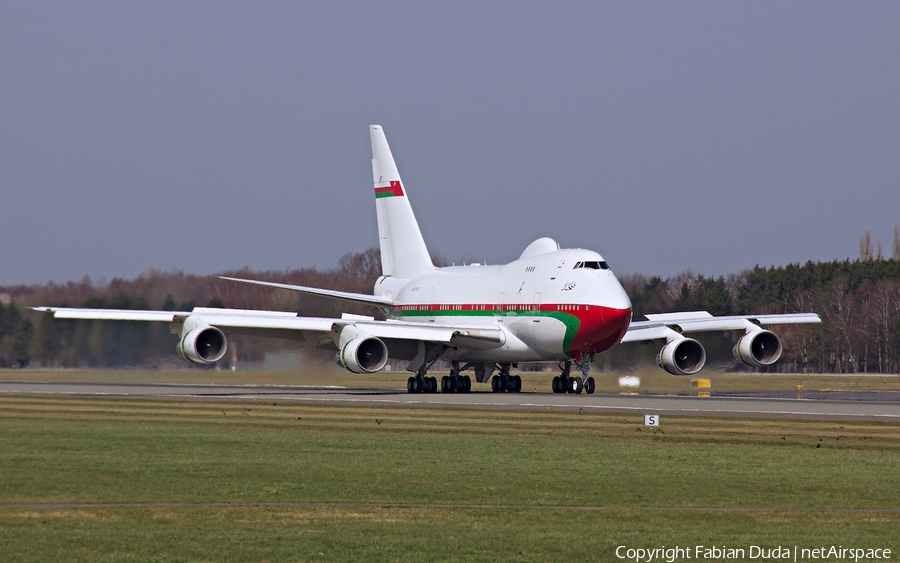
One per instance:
(424, 484)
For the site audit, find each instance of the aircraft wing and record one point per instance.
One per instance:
(334, 294)
(291, 325)
(660, 326)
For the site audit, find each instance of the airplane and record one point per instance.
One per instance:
(550, 305)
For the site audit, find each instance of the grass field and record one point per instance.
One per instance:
(144, 480)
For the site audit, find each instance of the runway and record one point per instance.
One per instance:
(871, 405)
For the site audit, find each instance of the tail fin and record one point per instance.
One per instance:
(403, 251)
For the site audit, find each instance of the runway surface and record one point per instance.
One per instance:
(872, 405)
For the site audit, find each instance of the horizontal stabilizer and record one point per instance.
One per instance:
(332, 293)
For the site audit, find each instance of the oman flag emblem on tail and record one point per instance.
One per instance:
(395, 189)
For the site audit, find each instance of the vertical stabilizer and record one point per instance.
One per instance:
(403, 251)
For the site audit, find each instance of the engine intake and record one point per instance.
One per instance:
(365, 354)
(684, 356)
(758, 348)
(201, 343)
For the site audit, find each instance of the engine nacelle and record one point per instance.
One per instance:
(201, 343)
(758, 348)
(683, 356)
(364, 354)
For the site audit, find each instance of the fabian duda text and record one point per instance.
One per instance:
(672, 554)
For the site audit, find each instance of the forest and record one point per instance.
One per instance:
(858, 301)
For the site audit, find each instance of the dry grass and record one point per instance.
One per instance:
(653, 380)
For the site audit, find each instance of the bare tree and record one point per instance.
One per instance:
(803, 340)
(866, 249)
(839, 317)
(885, 310)
(895, 247)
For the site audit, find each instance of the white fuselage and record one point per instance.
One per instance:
(554, 305)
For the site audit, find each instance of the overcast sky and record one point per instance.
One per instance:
(206, 136)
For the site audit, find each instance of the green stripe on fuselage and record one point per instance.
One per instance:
(570, 321)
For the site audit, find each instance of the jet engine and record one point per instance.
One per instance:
(201, 343)
(362, 354)
(758, 348)
(682, 356)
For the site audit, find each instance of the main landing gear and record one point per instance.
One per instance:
(421, 384)
(457, 383)
(506, 382)
(453, 383)
(564, 383)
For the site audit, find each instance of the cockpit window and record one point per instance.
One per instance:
(592, 265)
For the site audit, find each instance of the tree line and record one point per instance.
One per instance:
(858, 300)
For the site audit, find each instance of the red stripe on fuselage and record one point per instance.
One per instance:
(600, 328)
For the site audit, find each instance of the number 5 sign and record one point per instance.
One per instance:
(651, 420)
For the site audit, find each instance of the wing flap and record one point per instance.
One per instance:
(111, 314)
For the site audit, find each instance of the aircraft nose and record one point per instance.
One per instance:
(617, 319)
(615, 296)
(617, 310)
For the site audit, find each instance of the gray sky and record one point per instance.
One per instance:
(205, 136)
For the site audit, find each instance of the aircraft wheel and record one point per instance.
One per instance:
(516, 384)
(411, 385)
(444, 382)
(495, 384)
(467, 383)
(577, 385)
(555, 384)
(433, 386)
(589, 386)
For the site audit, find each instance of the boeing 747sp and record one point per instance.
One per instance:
(550, 305)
